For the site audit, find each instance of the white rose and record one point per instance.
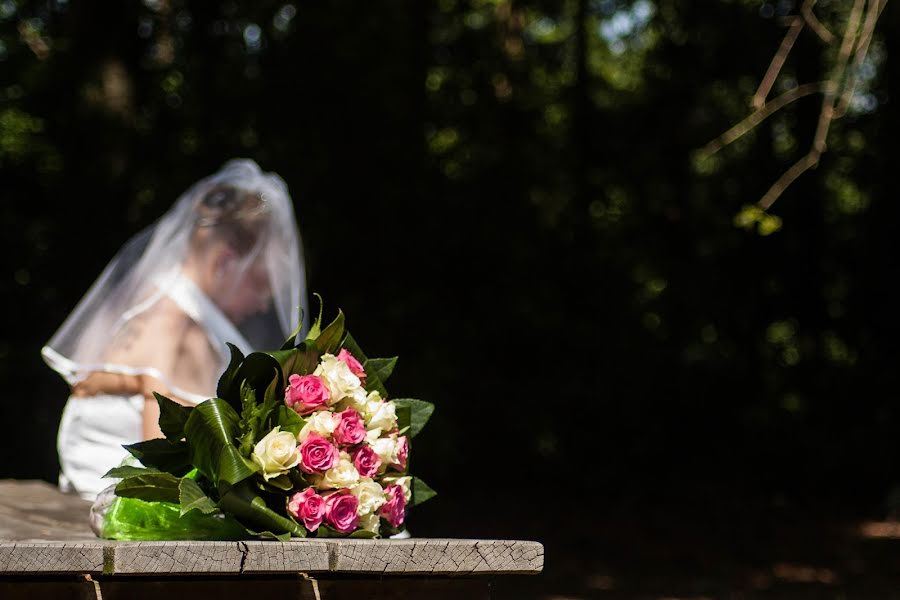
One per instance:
(372, 436)
(404, 482)
(276, 453)
(384, 417)
(370, 496)
(370, 522)
(386, 449)
(370, 404)
(342, 475)
(358, 399)
(322, 422)
(338, 378)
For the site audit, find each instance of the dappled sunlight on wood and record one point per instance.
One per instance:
(880, 530)
(795, 573)
(600, 582)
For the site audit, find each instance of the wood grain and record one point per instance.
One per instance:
(45, 531)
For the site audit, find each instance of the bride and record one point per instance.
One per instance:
(223, 265)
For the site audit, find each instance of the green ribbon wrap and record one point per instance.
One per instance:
(137, 520)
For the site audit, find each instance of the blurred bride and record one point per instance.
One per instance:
(223, 265)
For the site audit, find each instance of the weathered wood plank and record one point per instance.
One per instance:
(181, 558)
(52, 535)
(36, 510)
(437, 556)
(51, 557)
(241, 588)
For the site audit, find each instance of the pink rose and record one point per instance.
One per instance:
(402, 450)
(340, 511)
(394, 510)
(350, 429)
(308, 507)
(317, 454)
(306, 394)
(366, 461)
(355, 368)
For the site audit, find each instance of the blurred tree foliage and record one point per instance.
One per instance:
(507, 195)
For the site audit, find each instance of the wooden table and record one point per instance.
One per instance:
(48, 551)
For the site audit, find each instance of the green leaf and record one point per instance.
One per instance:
(282, 482)
(364, 534)
(292, 339)
(172, 417)
(404, 418)
(316, 329)
(211, 430)
(258, 369)
(301, 360)
(373, 380)
(226, 381)
(268, 535)
(331, 336)
(421, 492)
(126, 472)
(250, 422)
(272, 398)
(420, 412)
(162, 454)
(380, 367)
(153, 487)
(324, 531)
(191, 497)
(289, 420)
(249, 508)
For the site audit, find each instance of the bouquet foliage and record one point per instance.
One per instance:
(299, 442)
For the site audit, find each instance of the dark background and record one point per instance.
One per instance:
(507, 195)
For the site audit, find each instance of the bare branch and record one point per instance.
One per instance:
(851, 33)
(862, 48)
(757, 117)
(801, 166)
(811, 159)
(815, 24)
(765, 86)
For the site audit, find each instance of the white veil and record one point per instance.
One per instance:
(222, 265)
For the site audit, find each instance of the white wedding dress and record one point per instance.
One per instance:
(231, 236)
(94, 429)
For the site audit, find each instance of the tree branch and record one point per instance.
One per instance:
(787, 178)
(811, 159)
(765, 86)
(815, 24)
(757, 117)
(862, 49)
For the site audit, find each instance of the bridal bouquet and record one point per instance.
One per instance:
(303, 441)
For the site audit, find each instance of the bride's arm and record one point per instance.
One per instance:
(156, 340)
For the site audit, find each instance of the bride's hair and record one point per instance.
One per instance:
(232, 215)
